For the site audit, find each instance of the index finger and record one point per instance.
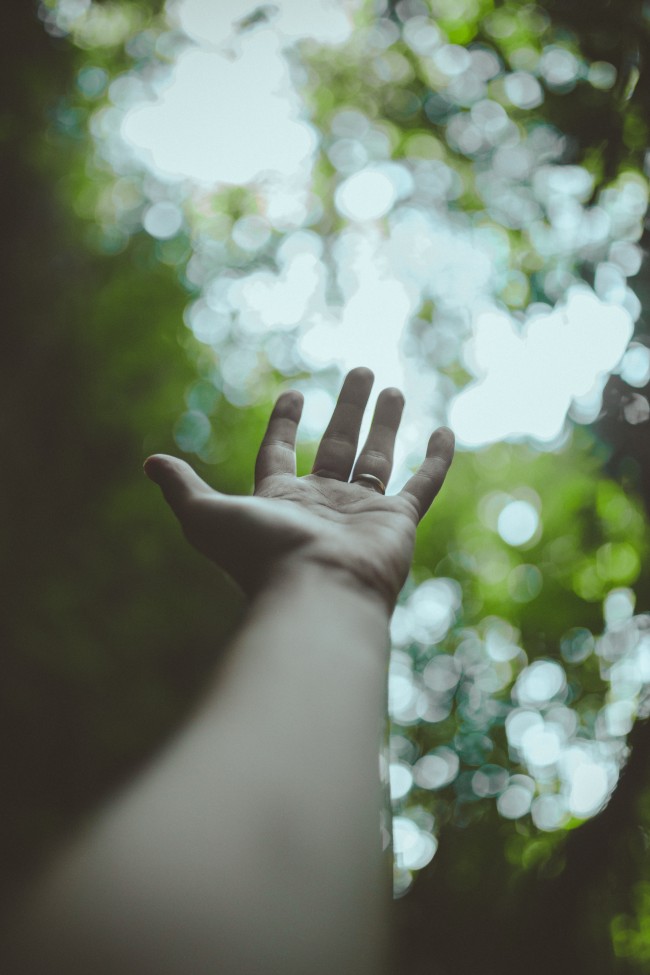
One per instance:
(422, 488)
(277, 453)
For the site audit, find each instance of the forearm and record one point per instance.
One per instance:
(252, 845)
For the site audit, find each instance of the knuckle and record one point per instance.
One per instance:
(374, 454)
(339, 437)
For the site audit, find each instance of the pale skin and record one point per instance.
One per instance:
(251, 846)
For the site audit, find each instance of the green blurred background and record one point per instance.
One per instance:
(111, 624)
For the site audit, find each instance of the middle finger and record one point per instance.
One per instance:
(338, 448)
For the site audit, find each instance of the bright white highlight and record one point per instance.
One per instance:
(619, 606)
(365, 196)
(589, 789)
(222, 121)
(442, 673)
(519, 722)
(516, 800)
(523, 89)
(549, 812)
(367, 329)
(527, 380)
(433, 607)
(400, 778)
(371, 193)
(635, 367)
(317, 410)
(437, 769)
(403, 692)
(266, 299)
(413, 847)
(541, 746)
(539, 683)
(163, 220)
(211, 21)
(517, 522)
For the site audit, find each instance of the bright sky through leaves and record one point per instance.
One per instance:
(229, 114)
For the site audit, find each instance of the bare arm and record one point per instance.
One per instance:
(252, 844)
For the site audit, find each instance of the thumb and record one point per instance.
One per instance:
(178, 482)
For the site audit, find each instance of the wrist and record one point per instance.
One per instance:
(305, 573)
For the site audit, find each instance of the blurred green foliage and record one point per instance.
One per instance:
(111, 625)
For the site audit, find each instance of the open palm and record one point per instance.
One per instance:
(327, 517)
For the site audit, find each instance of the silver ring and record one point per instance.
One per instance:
(372, 481)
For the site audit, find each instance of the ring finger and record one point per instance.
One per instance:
(376, 457)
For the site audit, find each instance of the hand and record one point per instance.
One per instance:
(324, 518)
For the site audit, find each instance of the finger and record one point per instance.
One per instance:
(376, 456)
(178, 482)
(427, 481)
(338, 447)
(277, 453)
